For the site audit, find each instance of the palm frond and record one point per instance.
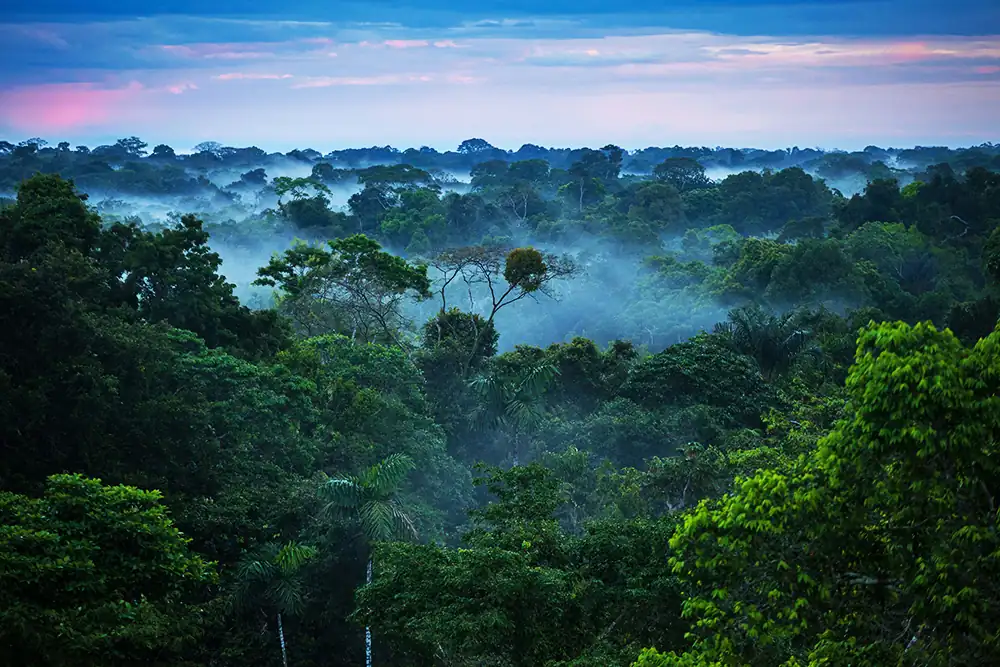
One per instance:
(490, 390)
(523, 414)
(342, 494)
(377, 520)
(404, 524)
(254, 568)
(287, 595)
(293, 556)
(386, 476)
(271, 576)
(537, 379)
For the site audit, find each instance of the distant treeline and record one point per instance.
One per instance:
(20, 160)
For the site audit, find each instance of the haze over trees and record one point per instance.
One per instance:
(559, 407)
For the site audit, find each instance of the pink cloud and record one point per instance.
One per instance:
(234, 76)
(221, 51)
(447, 44)
(180, 88)
(988, 69)
(464, 79)
(858, 53)
(63, 106)
(379, 80)
(406, 43)
(327, 81)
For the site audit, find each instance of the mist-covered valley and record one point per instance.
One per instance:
(642, 225)
(546, 407)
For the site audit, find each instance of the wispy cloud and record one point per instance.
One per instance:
(45, 36)
(251, 76)
(406, 43)
(328, 81)
(181, 88)
(557, 69)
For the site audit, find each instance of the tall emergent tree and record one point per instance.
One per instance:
(371, 499)
(506, 274)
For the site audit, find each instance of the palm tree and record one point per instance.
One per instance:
(513, 402)
(270, 577)
(371, 497)
(773, 340)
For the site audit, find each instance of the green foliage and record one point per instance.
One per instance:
(354, 287)
(525, 268)
(95, 575)
(702, 371)
(807, 524)
(869, 578)
(772, 341)
(371, 496)
(270, 576)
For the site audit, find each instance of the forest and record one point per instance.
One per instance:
(671, 407)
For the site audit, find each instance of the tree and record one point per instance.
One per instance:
(702, 371)
(878, 547)
(772, 341)
(591, 174)
(132, 146)
(473, 146)
(371, 498)
(212, 147)
(353, 286)
(271, 578)
(658, 205)
(94, 575)
(297, 187)
(508, 275)
(991, 257)
(513, 402)
(683, 173)
(163, 152)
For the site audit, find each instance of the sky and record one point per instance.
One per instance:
(283, 74)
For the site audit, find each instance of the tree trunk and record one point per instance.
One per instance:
(281, 637)
(368, 630)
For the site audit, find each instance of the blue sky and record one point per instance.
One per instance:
(839, 73)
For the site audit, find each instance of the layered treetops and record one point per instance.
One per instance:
(881, 546)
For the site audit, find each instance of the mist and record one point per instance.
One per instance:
(616, 294)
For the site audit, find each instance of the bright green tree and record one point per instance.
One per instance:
(95, 575)
(879, 548)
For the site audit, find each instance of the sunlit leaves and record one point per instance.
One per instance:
(94, 575)
(885, 537)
